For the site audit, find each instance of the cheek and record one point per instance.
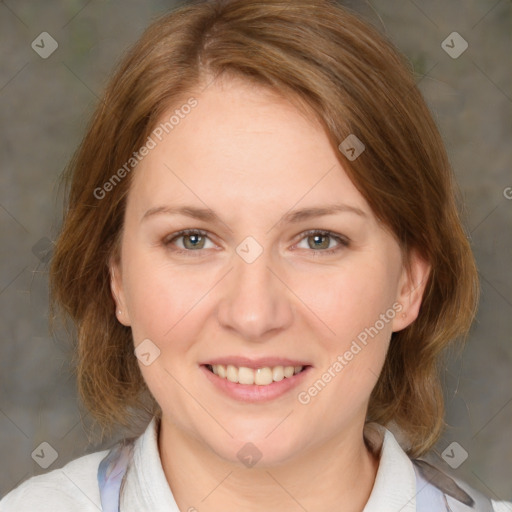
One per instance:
(353, 320)
(350, 298)
(162, 298)
(352, 349)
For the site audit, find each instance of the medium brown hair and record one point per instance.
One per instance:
(350, 77)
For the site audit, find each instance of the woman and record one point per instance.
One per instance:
(263, 256)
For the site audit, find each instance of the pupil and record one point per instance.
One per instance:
(317, 238)
(194, 238)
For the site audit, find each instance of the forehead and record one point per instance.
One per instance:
(244, 145)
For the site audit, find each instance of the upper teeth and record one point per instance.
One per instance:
(260, 376)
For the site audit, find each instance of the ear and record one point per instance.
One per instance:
(411, 287)
(116, 287)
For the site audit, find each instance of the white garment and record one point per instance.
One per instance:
(75, 486)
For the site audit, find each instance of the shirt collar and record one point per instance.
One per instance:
(146, 486)
(394, 489)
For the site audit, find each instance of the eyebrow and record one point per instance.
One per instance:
(291, 217)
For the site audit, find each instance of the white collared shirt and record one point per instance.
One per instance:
(75, 486)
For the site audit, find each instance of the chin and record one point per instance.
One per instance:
(253, 449)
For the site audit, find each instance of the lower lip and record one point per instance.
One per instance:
(255, 392)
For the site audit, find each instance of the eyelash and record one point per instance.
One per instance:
(344, 242)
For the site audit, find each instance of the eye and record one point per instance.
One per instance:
(317, 235)
(192, 239)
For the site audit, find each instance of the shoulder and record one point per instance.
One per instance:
(72, 487)
(502, 506)
(417, 484)
(440, 490)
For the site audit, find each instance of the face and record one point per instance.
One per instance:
(257, 284)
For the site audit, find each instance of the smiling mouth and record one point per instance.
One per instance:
(259, 376)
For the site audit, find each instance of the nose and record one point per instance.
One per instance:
(255, 302)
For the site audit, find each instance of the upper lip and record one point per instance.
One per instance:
(255, 363)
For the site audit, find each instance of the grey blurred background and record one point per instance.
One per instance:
(44, 107)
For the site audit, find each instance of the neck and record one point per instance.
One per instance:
(336, 475)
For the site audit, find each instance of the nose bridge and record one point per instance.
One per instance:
(255, 301)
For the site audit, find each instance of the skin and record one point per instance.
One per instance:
(251, 156)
